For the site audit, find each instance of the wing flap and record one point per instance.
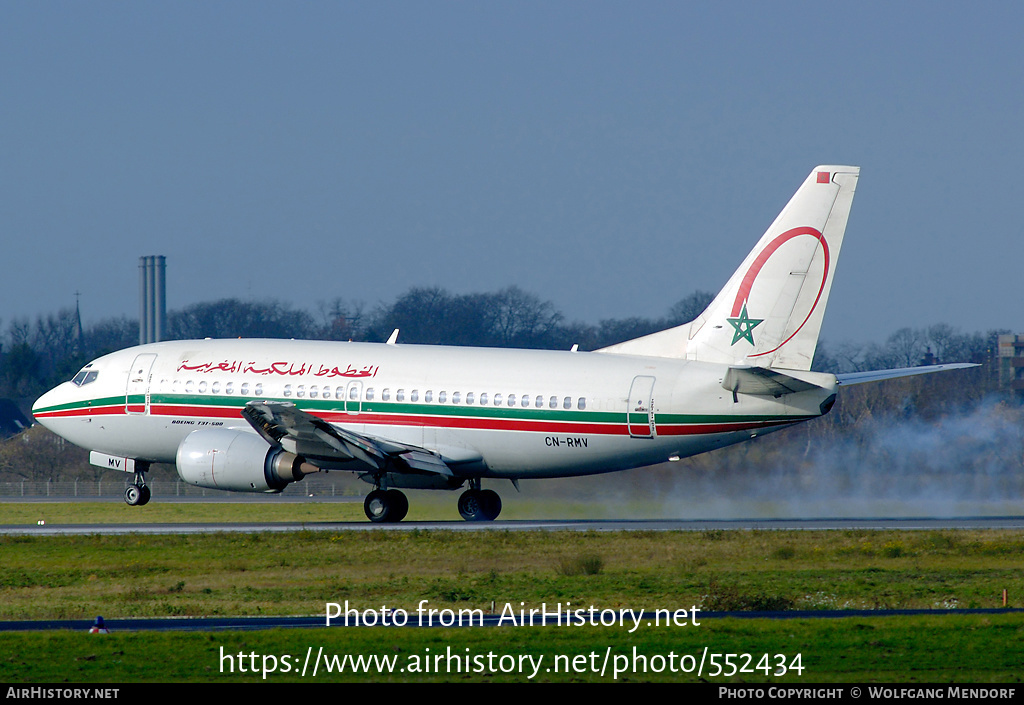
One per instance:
(283, 424)
(425, 462)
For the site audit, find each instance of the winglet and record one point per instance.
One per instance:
(394, 337)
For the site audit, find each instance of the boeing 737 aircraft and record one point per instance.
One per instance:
(256, 415)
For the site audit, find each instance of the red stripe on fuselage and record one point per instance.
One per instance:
(465, 422)
(86, 411)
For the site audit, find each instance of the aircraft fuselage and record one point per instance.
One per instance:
(492, 412)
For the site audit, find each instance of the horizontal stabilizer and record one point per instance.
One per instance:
(876, 375)
(763, 381)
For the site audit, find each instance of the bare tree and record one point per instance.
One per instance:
(520, 319)
(341, 320)
(688, 308)
(231, 318)
(906, 346)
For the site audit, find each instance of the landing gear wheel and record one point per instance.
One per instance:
(479, 505)
(376, 506)
(138, 493)
(133, 496)
(400, 505)
(491, 504)
(385, 506)
(469, 506)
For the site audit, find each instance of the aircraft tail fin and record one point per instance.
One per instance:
(769, 313)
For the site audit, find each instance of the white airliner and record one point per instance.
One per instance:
(256, 415)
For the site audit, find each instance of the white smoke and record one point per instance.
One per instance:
(966, 464)
(970, 463)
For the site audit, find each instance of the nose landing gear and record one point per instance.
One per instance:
(137, 493)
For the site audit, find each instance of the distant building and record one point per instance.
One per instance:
(1011, 363)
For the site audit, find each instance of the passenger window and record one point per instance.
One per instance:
(582, 403)
(414, 395)
(456, 396)
(511, 399)
(567, 403)
(215, 388)
(428, 396)
(386, 394)
(259, 389)
(483, 399)
(497, 400)
(539, 402)
(327, 393)
(400, 395)
(314, 392)
(300, 391)
(526, 401)
(353, 393)
(469, 397)
(202, 387)
(189, 385)
(553, 402)
(229, 388)
(442, 397)
(369, 394)
(245, 389)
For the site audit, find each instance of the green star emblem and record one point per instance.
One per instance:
(744, 326)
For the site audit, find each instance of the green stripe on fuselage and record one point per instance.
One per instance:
(419, 409)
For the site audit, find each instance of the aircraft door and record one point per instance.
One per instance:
(640, 409)
(136, 394)
(354, 398)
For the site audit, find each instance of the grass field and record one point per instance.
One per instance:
(297, 573)
(948, 649)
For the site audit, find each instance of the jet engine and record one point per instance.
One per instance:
(225, 459)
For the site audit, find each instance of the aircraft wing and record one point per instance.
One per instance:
(876, 375)
(282, 424)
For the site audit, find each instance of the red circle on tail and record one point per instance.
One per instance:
(755, 268)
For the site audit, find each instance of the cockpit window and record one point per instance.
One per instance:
(85, 377)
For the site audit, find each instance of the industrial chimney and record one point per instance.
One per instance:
(152, 299)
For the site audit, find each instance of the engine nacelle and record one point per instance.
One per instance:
(223, 459)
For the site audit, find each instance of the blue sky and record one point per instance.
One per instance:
(611, 157)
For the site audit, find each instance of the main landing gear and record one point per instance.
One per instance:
(389, 506)
(385, 506)
(476, 504)
(137, 493)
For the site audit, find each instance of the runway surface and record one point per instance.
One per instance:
(872, 524)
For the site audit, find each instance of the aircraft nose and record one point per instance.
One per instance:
(47, 405)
